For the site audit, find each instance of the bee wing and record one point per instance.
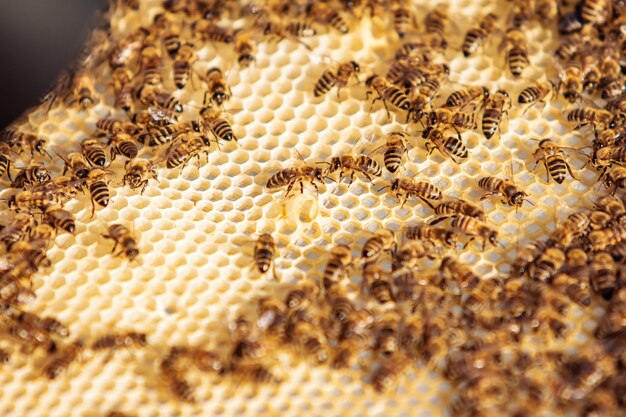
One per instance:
(159, 114)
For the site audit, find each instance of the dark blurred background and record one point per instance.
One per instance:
(38, 38)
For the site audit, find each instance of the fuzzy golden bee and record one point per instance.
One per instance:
(511, 194)
(339, 78)
(122, 237)
(478, 34)
(551, 155)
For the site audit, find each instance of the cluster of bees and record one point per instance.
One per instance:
(406, 299)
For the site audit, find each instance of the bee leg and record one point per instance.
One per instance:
(468, 242)
(289, 187)
(426, 202)
(352, 177)
(438, 220)
(367, 176)
(317, 190)
(569, 169)
(487, 195)
(93, 207)
(301, 187)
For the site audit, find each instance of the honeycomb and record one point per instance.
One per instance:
(196, 226)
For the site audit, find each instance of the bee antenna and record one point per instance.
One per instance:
(322, 162)
(383, 188)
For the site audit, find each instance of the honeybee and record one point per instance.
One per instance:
(422, 97)
(591, 73)
(151, 66)
(29, 200)
(394, 150)
(55, 216)
(296, 175)
(473, 227)
(454, 119)
(385, 377)
(176, 381)
(169, 34)
(302, 295)
(552, 158)
(122, 144)
(402, 19)
(158, 135)
(450, 146)
(362, 164)
(217, 88)
(337, 266)
(245, 47)
(98, 188)
(209, 31)
(6, 156)
(611, 83)
(536, 93)
(410, 253)
(613, 321)
(615, 178)
(509, 192)
(184, 148)
(77, 163)
(93, 151)
(382, 241)
(23, 141)
(218, 125)
(138, 172)
(459, 272)
(339, 78)
(466, 96)
(114, 126)
(82, 90)
(295, 30)
(63, 358)
(324, 13)
(405, 74)
(516, 51)
(183, 64)
(203, 359)
(603, 275)
(120, 341)
(604, 157)
(451, 207)
(264, 253)
(588, 115)
(572, 79)
(247, 347)
(478, 34)
(31, 175)
(122, 78)
(121, 236)
(548, 263)
(435, 23)
(405, 188)
(307, 337)
(575, 225)
(15, 230)
(387, 333)
(594, 12)
(494, 109)
(163, 108)
(603, 238)
(386, 91)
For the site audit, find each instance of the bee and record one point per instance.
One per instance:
(405, 74)
(82, 91)
(245, 48)
(122, 78)
(456, 120)
(339, 78)
(603, 238)
(216, 86)
(435, 23)
(57, 217)
(324, 13)
(382, 241)
(385, 377)
(264, 253)
(183, 64)
(588, 115)
(158, 135)
(591, 73)
(526, 256)
(307, 337)
(572, 79)
(30, 176)
(272, 316)
(76, 163)
(382, 291)
(387, 334)
(362, 164)
(577, 291)
(432, 234)
(411, 252)
(552, 158)
(120, 341)
(386, 91)
(63, 358)
(24, 141)
(296, 175)
(449, 208)
(247, 348)
(32, 253)
(603, 275)
(509, 192)
(93, 151)
(402, 19)
(121, 236)
(594, 12)
(151, 66)
(218, 125)
(604, 157)
(6, 158)
(422, 97)
(337, 266)
(466, 96)
(478, 34)
(122, 144)
(98, 188)
(536, 93)
(16, 230)
(302, 295)
(405, 188)
(494, 109)
(613, 321)
(516, 51)
(394, 150)
(29, 200)
(209, 31)
(114, 126)
(471, 226)
(615, 178)
(176, 381)
(184, 148)
(295, 30)
(138, 172)
(575, 225)
(459, 272)
(168, 33)
(611, 83)
(203, 359)
(548, 263)
(450, 146)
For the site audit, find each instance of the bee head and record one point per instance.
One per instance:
(318, 174)
(131, 253)
(493, 238)
(355, 66)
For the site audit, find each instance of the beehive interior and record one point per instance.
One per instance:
(196, 226)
